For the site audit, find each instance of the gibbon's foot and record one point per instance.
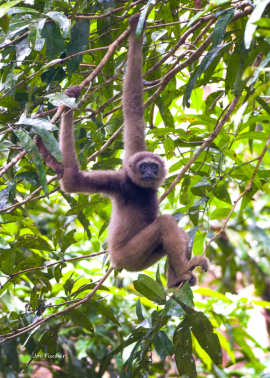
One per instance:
(73, 91)
(174, 281)
(198, 260)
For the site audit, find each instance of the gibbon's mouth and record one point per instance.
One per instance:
(149, 178)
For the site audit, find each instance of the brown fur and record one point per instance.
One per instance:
(138, 237)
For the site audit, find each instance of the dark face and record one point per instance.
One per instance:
(148, 171)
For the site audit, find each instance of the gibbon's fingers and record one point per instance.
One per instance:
(73, 91)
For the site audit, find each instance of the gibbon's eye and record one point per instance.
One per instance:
(154, 167)
(142, 167)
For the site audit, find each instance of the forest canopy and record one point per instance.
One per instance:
(64, 311)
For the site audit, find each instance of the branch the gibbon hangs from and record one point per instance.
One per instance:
(138, 237)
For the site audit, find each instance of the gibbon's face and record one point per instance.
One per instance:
(149, 171)
(146, 169)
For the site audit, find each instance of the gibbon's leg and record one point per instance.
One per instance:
(133, 95)
(161, 237)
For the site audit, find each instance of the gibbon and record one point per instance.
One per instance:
(138, 237)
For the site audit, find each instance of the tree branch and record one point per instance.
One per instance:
(13, 162)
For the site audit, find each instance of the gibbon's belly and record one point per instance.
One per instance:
(126, 223)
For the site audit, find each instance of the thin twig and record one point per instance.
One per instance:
(13, 162)
(202, 148)
(58, 262)
(107, 144)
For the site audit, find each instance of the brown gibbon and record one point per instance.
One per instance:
(138, 236)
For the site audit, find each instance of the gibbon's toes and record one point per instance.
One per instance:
(73, 91)
(204, 263)
(201, 261)
(133, 20)
(175, 282)
(193, 281)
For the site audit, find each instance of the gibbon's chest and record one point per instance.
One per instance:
(142, 201)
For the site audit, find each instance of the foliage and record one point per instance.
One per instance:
(207, 114)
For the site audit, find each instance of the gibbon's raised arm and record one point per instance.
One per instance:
(133, 95)
(74, 180)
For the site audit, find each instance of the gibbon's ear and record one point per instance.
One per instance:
(73, 91)
(132, 169)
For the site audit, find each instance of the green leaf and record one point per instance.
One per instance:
(203, 331)
(9, 103)
(139, 311)
(149, 288)
(257, 72)
(147, 8)
(4, 8)
(102, 309)
(221, 213)
(77, 209)
(34, 298)
(232, 70)
(35, 40)
(222, 193)
(255, 16)
(163, 345)
(79, 318)
(213, 294)
(33, 242)
(258, 135)
(78, 41)
(103, 227)
(62, 99)
(4, 197)
(90, 286)
(49, 142)
(4, 23)
(200, 188)
(68, 285)
(36, 122)
(10, 350)
(207, 60)
(169, 147)
(48, 343)
(172, 308)
(55, 44)
(107, 163)
(22, 10)
(30, 146)
(7, 260)
(58, 271)
(68, 240)
(30, 262)
(221, 26)
(61, 20)
(46, 283)
(199, 15)
(182, 345)
(184, 295)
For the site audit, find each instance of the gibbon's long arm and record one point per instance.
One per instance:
(133, 95)
(74, 180)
